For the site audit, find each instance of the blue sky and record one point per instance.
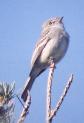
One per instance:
(20, 27)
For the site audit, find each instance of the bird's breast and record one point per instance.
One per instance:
(55, 48)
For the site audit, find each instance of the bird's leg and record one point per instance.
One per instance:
(52, 63)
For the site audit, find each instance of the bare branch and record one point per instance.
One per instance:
(25, 110)
(49, 86)
(54, 112)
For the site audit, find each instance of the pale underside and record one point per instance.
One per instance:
(51, 45)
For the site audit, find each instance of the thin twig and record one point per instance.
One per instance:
(20, 100)
(49, 86)
(25, 110)
(54, 112)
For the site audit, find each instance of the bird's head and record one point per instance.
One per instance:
(54, 22)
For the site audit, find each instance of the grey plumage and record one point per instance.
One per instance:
(52, 45)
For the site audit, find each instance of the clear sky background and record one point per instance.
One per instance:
(20, 27)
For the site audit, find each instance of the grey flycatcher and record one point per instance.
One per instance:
(52, 45)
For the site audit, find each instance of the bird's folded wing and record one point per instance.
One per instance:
(39, 48)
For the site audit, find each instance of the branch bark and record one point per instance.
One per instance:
(51, 113)
(49, 86)
(59, 103)
(25, 110)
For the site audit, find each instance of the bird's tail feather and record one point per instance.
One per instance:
(28, 87)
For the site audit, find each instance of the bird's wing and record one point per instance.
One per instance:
(40, 46)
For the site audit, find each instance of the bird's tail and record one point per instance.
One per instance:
(28, 86)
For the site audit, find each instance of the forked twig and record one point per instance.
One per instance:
(59, 103)
(49, 112)
(25, 110)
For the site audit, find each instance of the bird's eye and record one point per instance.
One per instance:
(50, 23)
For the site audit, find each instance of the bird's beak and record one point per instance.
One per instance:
(61, 19)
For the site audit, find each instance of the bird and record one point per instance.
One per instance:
(51, 46)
